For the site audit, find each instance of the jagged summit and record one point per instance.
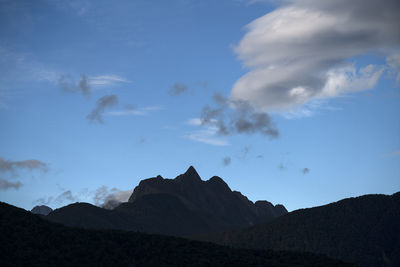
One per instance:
(185, 205)
(190, 175)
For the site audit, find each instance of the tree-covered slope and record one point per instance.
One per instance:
(364, 230)
(28, 240)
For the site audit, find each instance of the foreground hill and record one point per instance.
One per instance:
(182, 206)
(364, 230)
(28, 240)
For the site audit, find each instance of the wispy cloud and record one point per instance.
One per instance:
(5, 185)
(207, 136)
(87, 84)
(178, 89)
(43, 201)
(110, 198)
(226, 161)
(30, 164)
(131, 110)
(194, 121)
(282, 167)
(67, 84)
(12, 169)
(109, 79)
(66, 196)
(101, 105)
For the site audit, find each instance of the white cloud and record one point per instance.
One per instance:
(109, 79)
(303, 50)
(132, 111)
(207, 136)
(194, 122)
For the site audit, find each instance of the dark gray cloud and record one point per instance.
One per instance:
(226, 161)
(101, 105)
(178, 88)
(230, 117)
(5, 185)
(305, 170)
(30, 164)
(304, 50)
(110, 198)
(68, 84)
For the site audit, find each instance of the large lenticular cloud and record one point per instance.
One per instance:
(305, 50)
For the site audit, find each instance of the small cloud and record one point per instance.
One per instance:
(245, 151)
(282, 167)
(43, 201)
(67, 84)
(102, 104)
(110, 198)
(131, 110)
(5, 185)
(14, 167)
(232, 117)
(103, 80)
(66, 196)
(305, 170)
(207, 137)
(194, 122)
(86, 84)
(226, 161)
(178, 89)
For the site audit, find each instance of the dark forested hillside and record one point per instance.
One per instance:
(182, 206)
(28, 240)
(364, 230)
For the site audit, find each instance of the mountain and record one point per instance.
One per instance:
(182, 206)
(29, 240)
(363, 230)
(42, 210)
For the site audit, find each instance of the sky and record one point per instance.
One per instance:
(295, 102)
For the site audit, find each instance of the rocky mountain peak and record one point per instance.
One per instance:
(42, 210)
(190, 175)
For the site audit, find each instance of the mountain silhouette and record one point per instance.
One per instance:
(29, 240)
(182, 206)
(363, 230)
(41, 210)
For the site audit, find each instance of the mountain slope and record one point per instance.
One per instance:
(364, 230)
(28, 240)
(182, 206)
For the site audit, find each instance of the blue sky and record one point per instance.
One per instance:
(308, 95)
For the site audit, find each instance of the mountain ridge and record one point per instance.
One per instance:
(182, 206)
(29, 240)
(364, 230)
